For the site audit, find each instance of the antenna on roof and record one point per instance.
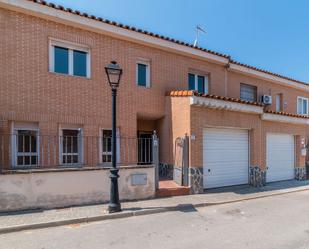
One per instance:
(198, 30)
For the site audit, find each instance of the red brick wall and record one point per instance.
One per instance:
(29, 92)
(202, 117)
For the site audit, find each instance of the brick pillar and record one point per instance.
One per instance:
(5, 144)
(257, 172)
(300, 158)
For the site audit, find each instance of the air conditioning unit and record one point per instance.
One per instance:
(266, 99)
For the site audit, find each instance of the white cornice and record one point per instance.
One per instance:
(225, 105)
(74, 20)
(284, 119)
(248, 71)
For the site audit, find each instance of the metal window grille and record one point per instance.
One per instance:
(27, 148)
(107, 146)
(70, 147)
(248, 92)
(145, 150)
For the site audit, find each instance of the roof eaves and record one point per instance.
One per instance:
(120, 25)
(287, 114)
(131, 28)
(267, 72)
(184, 93)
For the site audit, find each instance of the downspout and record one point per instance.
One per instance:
(226, 68)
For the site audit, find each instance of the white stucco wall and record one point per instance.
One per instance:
(21, 191)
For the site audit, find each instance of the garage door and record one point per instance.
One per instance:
(280, 157)
(225, 157)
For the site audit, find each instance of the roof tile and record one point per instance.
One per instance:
(287, 114)
(187, 93)
(42, 2)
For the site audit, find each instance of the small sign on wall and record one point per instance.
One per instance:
(138, 179)
(303, 151)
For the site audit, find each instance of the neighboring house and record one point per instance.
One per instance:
(55, 110)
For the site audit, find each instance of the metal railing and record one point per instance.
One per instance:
(30, 150)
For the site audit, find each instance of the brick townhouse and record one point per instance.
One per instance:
(241, 124)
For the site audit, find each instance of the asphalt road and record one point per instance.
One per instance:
(275, 222)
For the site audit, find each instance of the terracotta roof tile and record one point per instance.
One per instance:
(265, 71)
(287, 114)
(182, 93)
(185, 93)
(61, 8)
(52, 5)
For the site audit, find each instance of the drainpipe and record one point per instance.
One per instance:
(226, 67)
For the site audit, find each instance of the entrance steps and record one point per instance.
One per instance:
(169, 188)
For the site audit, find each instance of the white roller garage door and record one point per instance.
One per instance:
(280, 158)
(225, 157)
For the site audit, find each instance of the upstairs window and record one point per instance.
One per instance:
(69, 59)
(198, 83)
(143, 74)
(279, 103)
(248, 92)
(302, 106)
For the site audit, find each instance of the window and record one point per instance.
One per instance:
(71, 145)
(61, 62)
(143, 74)
(25, 144)
(278, 102)
(66, 58)
(248, 92)
(198, 83)
(107, 146)
(27, 148)
(302, 106)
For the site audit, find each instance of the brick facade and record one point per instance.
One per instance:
(30, 93)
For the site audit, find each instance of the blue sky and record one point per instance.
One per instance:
(272, 34)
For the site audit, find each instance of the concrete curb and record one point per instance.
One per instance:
(141, 212)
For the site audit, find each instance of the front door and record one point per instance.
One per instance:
(144, 147)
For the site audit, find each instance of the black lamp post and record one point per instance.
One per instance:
(114, 73)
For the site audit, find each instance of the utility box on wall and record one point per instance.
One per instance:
(138, 179)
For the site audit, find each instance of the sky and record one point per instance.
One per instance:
(269, 34)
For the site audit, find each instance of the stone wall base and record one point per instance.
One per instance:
(45, 190)
(196, 180)
(300, 173)
(257, 177)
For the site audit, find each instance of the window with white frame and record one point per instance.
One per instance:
(25, 144)
(143, 73)
(279, 103)
(198, 83)
(302, 106)
(27, 148)
(68, 58)
(106, 146)
(71, 146)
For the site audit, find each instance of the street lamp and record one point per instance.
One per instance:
(114, 73)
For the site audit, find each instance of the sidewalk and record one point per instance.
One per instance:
(46, 218)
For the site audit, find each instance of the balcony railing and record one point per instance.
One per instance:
(29, 150)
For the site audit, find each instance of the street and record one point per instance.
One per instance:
(272, 222)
